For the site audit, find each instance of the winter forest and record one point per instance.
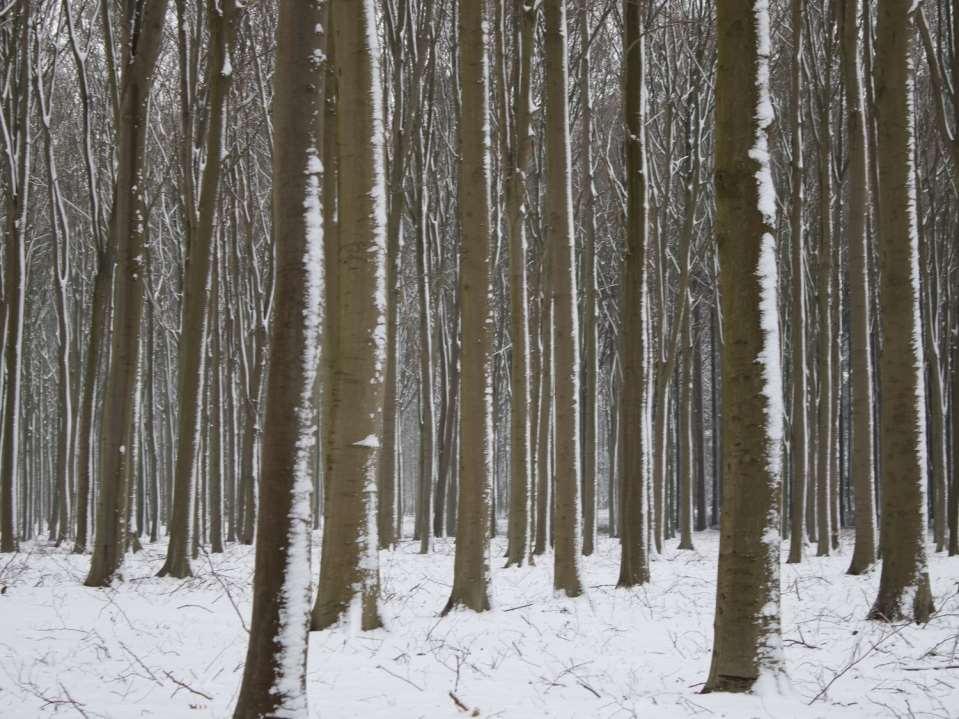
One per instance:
(479, 358)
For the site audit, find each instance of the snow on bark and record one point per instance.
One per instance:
(771, 655)
(294, 609)
(918, 347)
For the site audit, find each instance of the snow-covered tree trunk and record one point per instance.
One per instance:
(747, 645)
(274, 678)
(349, 571)
(904, 588)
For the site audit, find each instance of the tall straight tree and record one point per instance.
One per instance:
(904, 588)
(471, 568)
(143, 29)
(559, 229)
(516, 152)
(590, 339)
(862, 436)
(634, 505)
(16, 126)
(274, 678)
(349, 566)
(223, 17)
(747, 633)
(799, 430)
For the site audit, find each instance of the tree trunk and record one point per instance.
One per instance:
(470, 567)
(633, 404)
(566, 327)
(14, 290)
(860, 324)
(904, 587)
(517, 154)
(684, 431)
(349, 570)
(127, 226)
(274, 677)
(799, 430)
(590, 338)
(747, 634)
(223, 18)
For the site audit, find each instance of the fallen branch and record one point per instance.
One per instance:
(417, 687)
(859, 659)
(187, 687)
(462, 707)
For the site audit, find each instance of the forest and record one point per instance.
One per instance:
(489, 358)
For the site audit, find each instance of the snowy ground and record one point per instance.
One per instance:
(168, 648)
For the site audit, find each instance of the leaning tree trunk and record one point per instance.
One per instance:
(904, 587)
(349, 572)
(470, 567)
(127, 221)
(274, 677)
(747, 633)
(566, 326)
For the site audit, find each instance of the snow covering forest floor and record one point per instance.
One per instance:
(167, 648)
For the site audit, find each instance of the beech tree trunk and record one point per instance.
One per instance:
(904, 588)
(559, 230)
(633, 406)
(349, 569)
(799, 430)
(223, 17)
(274, 677)
(862, 435)
(127, 226)
(747, 632)
(470, 566)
